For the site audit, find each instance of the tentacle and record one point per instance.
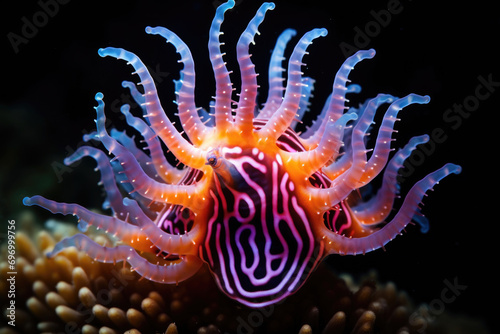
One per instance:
(285, 114)
(313, 128)
(168, 272)
(129, 142)
(306, 163)
(206, 116)
(144, 235)
(353, 88)
(383, 144)
(275, 76)
(344, 162)
(163, 168)
(128, 233)
(183, 244)
(114, 199)
(144, 185)
(136, 95)
(188, 113)
(358, 147)
(336, 106)
(307, 89)
(337, 103)
(248, 95)
(120, 177)
(180, 147)
(378, 208)
(422, 221)
(337, 244)
(224, 87)
(360, 172)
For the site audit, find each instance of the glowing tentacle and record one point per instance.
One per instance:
(172, 272)
(183, 244)
(143, 235)
(344, 162)
(306, 163)
(129, 142)
(383, 144)
(136, 95)
(337, 244)
(285, 114)
(206, 117)
(336, 106)
(276, 89)
(163, 168)
(379, 206)
(121, 136)
(307, 90)
(188, 114)
(180, 147)
(128, 233)
(353, 88)
(248, 95)
(223, 85)
(337, 103)
(360, 172)
(142, 158)
(144, 185)
(114, 199)
(358, 149)
(313, 128)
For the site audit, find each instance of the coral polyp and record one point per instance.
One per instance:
(256, 201)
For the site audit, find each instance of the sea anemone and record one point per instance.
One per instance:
(71, 293)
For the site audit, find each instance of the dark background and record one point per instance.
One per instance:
(439, 49)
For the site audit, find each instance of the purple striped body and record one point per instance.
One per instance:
(259, 243)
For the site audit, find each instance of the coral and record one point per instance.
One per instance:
(70, 293)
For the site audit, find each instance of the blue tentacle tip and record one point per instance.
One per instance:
(455, 169)
(322, 32)
(153, 30)
(27, 201)
(102, 52)
(269, 5)
(423, 222)
(370, 53)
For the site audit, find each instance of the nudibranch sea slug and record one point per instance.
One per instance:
(256, 201)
